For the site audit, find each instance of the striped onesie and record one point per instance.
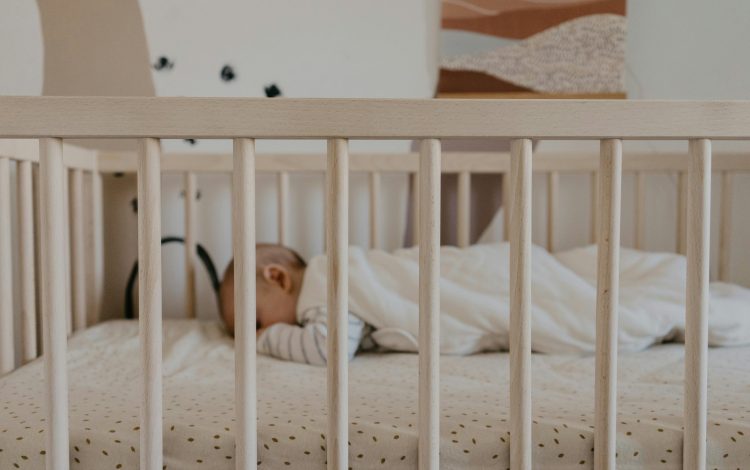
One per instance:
(306, 343)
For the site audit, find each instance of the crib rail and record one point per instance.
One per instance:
(135, 117)
(149, 119)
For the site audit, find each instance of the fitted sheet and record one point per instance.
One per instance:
(199, 422)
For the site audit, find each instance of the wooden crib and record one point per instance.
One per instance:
(52, 119)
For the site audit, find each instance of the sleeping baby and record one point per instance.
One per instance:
(282, 330)
(474, 301)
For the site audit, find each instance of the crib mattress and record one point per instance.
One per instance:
(199, 419)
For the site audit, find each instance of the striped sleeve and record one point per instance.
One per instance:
(307, 343)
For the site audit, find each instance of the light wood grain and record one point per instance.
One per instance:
(54, 324)
(415, 208)
(37, 198)
(696, 314)
(182, 118)
(189, 185)
(338, 303)
(96, 258)
(7, 345)
(506, 206)
(150, 302)
(26, 259)
(78, 251)
(463, 209)
(520, 306)
(66, 236)
(607, 292)
(639, 227)
(74, 157)
(594, 191)
(375, 216)
(243, 224)
(681, 224)
(452, 162)
(429, 306)
(553, 197)
(283, 228)
(725, 227)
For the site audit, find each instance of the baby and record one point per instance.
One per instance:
(282, 331)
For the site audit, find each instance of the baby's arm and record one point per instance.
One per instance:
(307, 343)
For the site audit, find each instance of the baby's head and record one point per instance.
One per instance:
(278, 272)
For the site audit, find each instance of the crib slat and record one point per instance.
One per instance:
(553, 183)
(283, 182)
(429, 306)
(463, 205)
(375, 210)
(51, 179)
(66, 235)
(682, 213)
(640, 209)
(608, 260)
(243, 187)
(150, 301)
(520, 306)
(7, 348)
(415, 208)
(338, 303)
(190, 244)
(78, 251)
(96, 269)
(725, 226)
(26, 259)
(696, 315)
(594, 206)
(507, 184)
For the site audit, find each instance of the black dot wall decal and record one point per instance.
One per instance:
(191, 141)
(227, 73)
(163, 63)
(272, 91)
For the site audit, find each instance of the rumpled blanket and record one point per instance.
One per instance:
(474, 299)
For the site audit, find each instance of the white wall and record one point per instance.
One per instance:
(677, 49)
(330, 48)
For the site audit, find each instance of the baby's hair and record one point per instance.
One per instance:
(271, 253)
(265, 254)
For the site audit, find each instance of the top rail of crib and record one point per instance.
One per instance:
(221, 118)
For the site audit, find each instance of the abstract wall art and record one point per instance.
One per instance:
(533, 47)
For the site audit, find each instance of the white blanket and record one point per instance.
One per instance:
(474, 299)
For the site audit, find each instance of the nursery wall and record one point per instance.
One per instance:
(677, 49)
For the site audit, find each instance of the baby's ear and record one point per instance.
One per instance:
(278, 275)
